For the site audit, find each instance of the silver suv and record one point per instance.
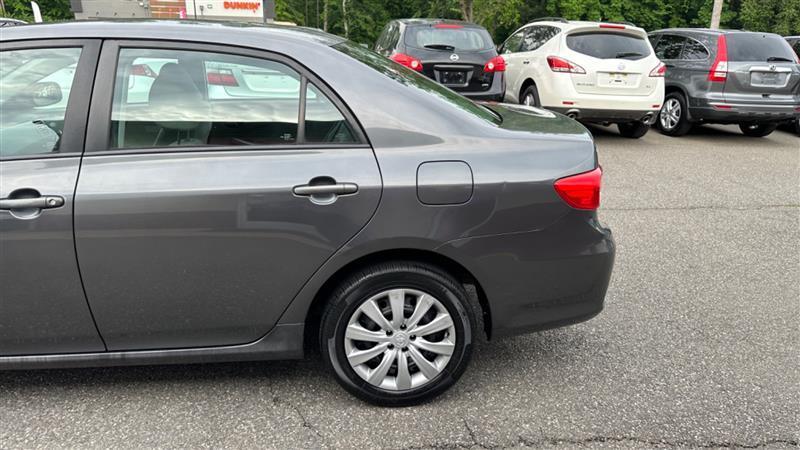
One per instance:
(724, 76)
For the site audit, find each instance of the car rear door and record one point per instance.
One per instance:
(205, 203)
(762, 69)
(44, 96)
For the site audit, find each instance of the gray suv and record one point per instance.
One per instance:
(729, 77)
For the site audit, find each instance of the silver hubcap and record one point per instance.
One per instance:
(670, 114)
(529, 100)
(400, 339)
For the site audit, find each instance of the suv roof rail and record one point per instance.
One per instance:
(550, 19)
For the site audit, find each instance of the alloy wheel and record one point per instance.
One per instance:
(529, 100)
(400, 339)
(670, 114)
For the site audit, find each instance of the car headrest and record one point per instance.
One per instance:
(175, 99)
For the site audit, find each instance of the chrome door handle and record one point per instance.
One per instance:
(526, 62)
(44, 202)
(326, 189)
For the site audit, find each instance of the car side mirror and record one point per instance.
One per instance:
(46, 94)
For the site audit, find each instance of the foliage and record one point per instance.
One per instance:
(366, 18)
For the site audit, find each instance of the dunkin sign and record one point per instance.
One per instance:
(226, 8)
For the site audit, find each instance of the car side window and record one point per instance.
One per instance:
(537, 36)
(380, 43)
(34, 88)
(796, 47)
(669, 46)
(694, 50)
(324, 123)
(512, 44)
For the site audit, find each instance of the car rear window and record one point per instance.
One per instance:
(412, 79)
(448, 37)
(757, 47)
(607, 45)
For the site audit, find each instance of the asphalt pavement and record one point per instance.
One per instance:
(698, 346)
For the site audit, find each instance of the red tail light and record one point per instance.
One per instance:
(612, 26)
(719, 70)
(448, 25)
(562, 65)
(659, 71)
(408, 61)
(496, 64)
(581, 191)
(142, 70)
(222, 77)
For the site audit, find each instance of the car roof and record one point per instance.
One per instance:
(708, 31)
(570, 24)
(181, 30)
(432, 21)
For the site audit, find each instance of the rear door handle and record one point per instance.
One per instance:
(43, 202)
(526, 62)
(326, 189)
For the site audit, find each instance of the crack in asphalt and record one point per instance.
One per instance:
(523, 442)
(303, 419)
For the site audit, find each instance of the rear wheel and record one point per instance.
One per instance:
(398, 333)
(672, 119)
(530, 97)
(757, 129)
(633, 130)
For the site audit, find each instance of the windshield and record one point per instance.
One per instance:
(415, 80)
(607, 45)
(758, 47)
(449, 37)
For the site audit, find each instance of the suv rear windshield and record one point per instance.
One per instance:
(758, 47)
(414, 79)
(449, 37)
(605, 45)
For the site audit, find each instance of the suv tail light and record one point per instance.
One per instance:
(562, 65)
(496, 64)
(659, 71)
(408, 61)
(222, 77)
(581, 191)
(612, 26)
(719, 70)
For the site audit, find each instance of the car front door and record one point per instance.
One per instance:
(213, 193)
(44, 92)
(509, 50)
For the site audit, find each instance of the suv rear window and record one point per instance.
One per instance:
(757, 47)
(605, 45)
(449, 37)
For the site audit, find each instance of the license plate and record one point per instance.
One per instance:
(453, 77)
(615, 79)
(767, 78)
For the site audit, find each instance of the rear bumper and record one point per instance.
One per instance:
(541, 279)
(609, 115)
(722, 112)
(495, 93)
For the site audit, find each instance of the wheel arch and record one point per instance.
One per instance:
(525, 84)
(673, 88)
(458, 271)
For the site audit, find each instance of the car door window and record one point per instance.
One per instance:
(324, 122)
(694, 50)
(669, 46)
(512, 44)
(34, 88)
(175, 98)
(536, 37)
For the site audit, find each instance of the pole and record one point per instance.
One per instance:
(194, 5)
(716, 14)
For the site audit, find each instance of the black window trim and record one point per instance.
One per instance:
(683, 50)
(98, 128)
(76, 114)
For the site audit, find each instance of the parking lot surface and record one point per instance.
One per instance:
(698, 345)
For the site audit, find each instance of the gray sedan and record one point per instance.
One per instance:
(190, 192)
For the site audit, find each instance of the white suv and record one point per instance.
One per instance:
(590, 71)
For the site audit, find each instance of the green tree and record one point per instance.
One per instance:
(52, 10)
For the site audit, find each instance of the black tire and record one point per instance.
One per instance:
(797, 126)
(757, 129)
(363, 285)
(533, 93)
(683, 125)
(633, 130)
